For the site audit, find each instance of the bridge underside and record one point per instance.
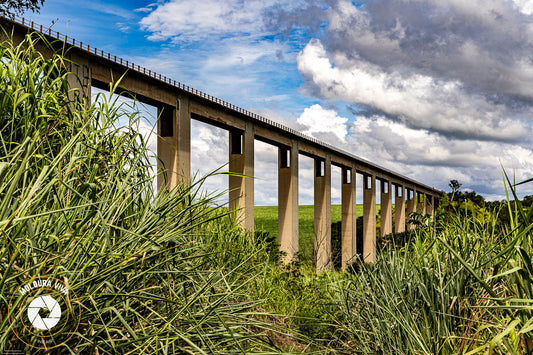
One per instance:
(178, 104)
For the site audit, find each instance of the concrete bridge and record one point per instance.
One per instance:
(178, 104)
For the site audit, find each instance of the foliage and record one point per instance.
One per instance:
(153, 272)
(20, 6)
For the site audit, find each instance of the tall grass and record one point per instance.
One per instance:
(458, 286)
(77, 204)
(167, 272)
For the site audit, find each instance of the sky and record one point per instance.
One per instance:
(435, 90)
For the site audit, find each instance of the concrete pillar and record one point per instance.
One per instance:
(241, 188)
(386, 208)
(369, 218)
(288, 232)
(349, 217)
(429, 205)
(79, 79)
(411, 206)
(421, 203)
(323, 213)
(174, 144)
(399, 209)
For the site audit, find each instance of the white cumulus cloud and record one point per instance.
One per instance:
(316, 119)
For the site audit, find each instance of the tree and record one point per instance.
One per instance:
(455, 185)
(19, 6)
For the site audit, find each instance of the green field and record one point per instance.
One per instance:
(266, 219)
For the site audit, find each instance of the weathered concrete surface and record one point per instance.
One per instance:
(79, 78)
(174, 147)
(386, 208)
(411, 206)
(349, 217)
(399, 209)
(323, 215)
(369, 219)
(241, 182)
(288, 230)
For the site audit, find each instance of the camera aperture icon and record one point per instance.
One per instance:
(46, 313)
(44, 303)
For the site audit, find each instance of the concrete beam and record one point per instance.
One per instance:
(288, 231)
(349, 217)
(386, 208)
(174, 143)
(217, 117)
(323, 214)
(105, 72)
(241, 186)
(369, 218)
(399, 209)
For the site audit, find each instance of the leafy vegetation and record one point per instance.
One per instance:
(166, 272)
(20, 6)
(153, 272)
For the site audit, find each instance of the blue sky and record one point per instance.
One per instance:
(436, 90)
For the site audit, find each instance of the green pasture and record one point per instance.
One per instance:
(266, 219)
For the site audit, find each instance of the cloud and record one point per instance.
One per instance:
(435, 159)
(462, 69)
(437, 89)
(189, 21)
(417, 100)
(484, 44)
(319, 120)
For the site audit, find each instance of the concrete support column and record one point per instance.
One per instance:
(369, 218)
(411, 205)
(421, 203)
(174, 144)
(241, 188)
(79, 79)
(349, 217)
(323, 213)
(288, 232)
(429, 205)
(386, 208)
(399, 209)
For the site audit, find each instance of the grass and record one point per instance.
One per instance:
(266, 219)
(153, 272)
(165, 272)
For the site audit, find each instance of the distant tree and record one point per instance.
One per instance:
(470, 196)
(19, 6)
(455, 185)
(527, 201)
